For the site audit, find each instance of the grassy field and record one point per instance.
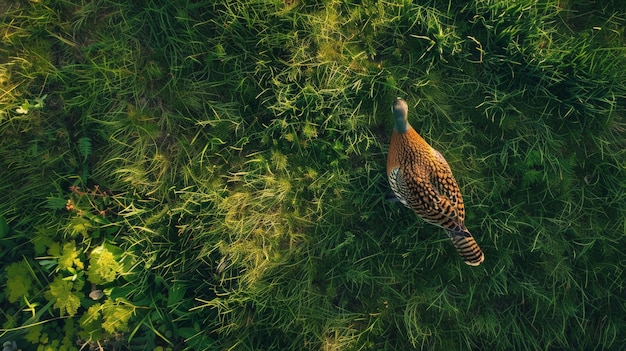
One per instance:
(210, 175)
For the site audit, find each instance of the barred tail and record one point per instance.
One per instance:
(467, 247)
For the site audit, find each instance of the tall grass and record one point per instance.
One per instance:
(211, 175)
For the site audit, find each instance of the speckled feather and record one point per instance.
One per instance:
(421, 179)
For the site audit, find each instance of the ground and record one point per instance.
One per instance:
(210, 175)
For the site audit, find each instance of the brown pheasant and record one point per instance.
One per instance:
(421, 180)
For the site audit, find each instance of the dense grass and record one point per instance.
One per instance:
(210, 175)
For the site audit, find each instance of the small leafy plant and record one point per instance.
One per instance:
(27, 106)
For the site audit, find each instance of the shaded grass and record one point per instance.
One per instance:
(232, 157)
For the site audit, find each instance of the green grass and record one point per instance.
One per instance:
(210, 175)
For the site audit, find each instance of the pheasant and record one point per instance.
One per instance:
(421, 180)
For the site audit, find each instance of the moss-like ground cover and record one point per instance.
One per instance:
(210, 175)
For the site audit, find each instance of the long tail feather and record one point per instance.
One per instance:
(467, 247)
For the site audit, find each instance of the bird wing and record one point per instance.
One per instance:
(398, 186)
(448, 194)
(418, 193)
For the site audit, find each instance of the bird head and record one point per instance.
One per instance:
(400, 114)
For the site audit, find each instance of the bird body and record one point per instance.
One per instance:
(422, 180)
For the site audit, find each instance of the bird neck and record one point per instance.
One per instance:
(401, 123)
